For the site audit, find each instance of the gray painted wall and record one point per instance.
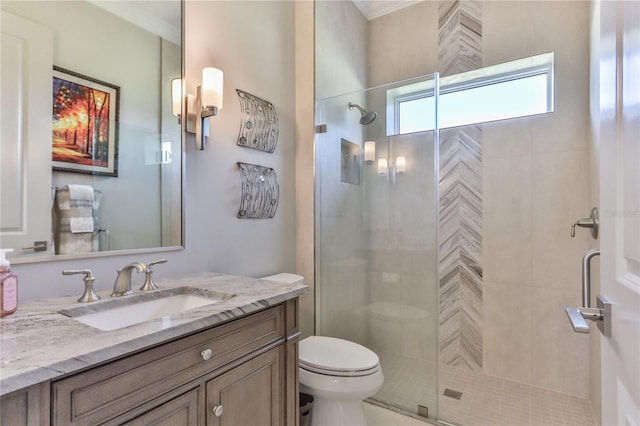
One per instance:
(253, 43)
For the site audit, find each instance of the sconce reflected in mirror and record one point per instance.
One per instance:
(383, 166)
(199, 108)
(176, 98)
(401, 164)
(369, 152)
(398, 166)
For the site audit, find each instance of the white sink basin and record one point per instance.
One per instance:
(136, 309)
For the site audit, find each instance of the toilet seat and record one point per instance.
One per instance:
(337, 357)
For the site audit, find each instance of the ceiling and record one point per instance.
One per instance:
(372, 9)
(161, 17)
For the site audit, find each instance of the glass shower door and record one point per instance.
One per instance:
(376, 223)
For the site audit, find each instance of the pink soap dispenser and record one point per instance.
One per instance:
(8, 286)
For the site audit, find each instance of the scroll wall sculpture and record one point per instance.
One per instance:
(260, 192)
(258, 123)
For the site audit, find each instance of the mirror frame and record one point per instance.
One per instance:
(124, 252)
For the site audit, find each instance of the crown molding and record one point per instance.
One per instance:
(372, 9)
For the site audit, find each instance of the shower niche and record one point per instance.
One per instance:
(350, 160)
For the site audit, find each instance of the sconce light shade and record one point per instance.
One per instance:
(369, 151)
(176, 97)
(383, 166)
(401, 164)
(204, 105)
(212, 84)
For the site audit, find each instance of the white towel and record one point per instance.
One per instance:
(80, 192)
(62, 198)
(80, 224)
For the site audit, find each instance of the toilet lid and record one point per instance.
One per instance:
(338, 357)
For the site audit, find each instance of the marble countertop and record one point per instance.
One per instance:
(37, 343)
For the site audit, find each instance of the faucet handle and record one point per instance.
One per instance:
(155, 262)
(148, 281)
(89, 295)
(588, 222)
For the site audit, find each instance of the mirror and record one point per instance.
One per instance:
(91, 153)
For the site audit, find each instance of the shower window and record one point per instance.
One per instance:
(513, 89)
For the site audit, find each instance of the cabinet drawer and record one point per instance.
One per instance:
(104, 392)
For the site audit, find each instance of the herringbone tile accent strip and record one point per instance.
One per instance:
(460, 205)
(459, 36)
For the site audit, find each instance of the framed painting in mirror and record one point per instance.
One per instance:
(85, 124)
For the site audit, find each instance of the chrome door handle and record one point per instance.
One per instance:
(602, 314)
(586, 276)
(604, 309)
(37, 246)
(577, 320)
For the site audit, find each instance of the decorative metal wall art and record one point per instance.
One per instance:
(258, 123)
(260, 192)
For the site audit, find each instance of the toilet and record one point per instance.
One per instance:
(338, 373)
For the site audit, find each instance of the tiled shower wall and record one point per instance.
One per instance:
(534, 171)
(460, 203)
(534, 175)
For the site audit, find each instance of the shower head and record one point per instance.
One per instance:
(366, 117)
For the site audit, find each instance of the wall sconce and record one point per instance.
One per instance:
(204, 104)
(401, 164)
(383, 166)
(369, 152)
(176, 98)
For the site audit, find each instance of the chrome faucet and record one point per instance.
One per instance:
(122, 286)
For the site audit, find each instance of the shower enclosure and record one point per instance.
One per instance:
(376, 229)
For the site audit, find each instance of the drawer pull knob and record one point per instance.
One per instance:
(206, 354)
(217, 410)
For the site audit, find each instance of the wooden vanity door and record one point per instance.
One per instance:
(249, 395)
(181, 410)
(27, 407)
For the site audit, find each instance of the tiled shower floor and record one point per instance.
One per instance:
(407, 381)
(485, 401)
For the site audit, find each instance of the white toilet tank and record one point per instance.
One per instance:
(285, 277)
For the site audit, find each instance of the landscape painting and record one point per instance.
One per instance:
(85, 118)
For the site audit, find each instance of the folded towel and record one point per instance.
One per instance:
(80, 196)
(80, 192)
(68, 199)
(68, 243)
(75, 219)
(62, 199)
(80, 224)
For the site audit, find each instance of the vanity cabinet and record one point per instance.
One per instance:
(242, 372)
(249, 394)
(181, 410)
(27, 407)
